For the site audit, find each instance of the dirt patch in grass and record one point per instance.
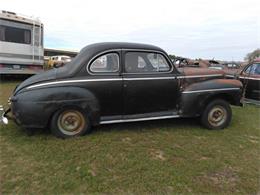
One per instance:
(220, 180)
(157, 154)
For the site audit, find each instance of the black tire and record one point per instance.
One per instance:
(217, 115)
(70, 122)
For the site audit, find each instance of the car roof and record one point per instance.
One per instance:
(121, 45)
(90, 51)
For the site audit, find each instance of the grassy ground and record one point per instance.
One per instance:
(167, 156)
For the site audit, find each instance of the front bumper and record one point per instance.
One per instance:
(4, 115)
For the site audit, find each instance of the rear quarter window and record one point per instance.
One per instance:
(107, 63)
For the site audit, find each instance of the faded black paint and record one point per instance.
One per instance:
(118, 99)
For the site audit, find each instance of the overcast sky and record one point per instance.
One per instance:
(220, 29)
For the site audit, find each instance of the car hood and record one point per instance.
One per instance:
(50, 75)
(187, 71)
(193, 75)
(233, 72)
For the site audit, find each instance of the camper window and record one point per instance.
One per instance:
(15, 35)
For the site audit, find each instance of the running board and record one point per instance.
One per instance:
(251, 101)
(139, 119)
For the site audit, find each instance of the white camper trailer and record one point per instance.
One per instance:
(21, 44)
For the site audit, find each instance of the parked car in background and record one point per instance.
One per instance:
(217, 66)
(250, 77)
(232, 65)
(58, 61)
(121, 82)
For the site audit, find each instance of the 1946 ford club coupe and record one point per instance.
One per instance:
(121, 82)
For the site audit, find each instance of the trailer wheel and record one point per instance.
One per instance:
(217, 115)
(70, 122)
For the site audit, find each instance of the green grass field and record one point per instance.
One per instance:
(167, 156)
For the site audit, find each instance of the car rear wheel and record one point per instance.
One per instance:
(217, 115)
(70, 122)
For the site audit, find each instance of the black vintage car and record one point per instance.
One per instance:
(121, 82)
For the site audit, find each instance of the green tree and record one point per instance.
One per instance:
(172, 56)
(253, 55)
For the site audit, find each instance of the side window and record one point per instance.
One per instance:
(158, 62)
(105, 63)
(253, 69)
(138, 62)
(257, 69)
(141, 62)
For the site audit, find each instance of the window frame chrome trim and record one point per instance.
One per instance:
(118, 64)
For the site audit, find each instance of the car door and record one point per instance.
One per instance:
(250, 78)
(106, 84)
(150, 85)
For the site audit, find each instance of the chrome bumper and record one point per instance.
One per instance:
(4, 117)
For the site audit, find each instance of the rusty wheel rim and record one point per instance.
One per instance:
(71, 122)
(217, 116)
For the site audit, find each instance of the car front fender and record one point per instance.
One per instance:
(196, 96)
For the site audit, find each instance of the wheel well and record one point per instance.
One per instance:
(221, 96)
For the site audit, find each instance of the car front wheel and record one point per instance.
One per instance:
(217, 115)
(70, 122)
